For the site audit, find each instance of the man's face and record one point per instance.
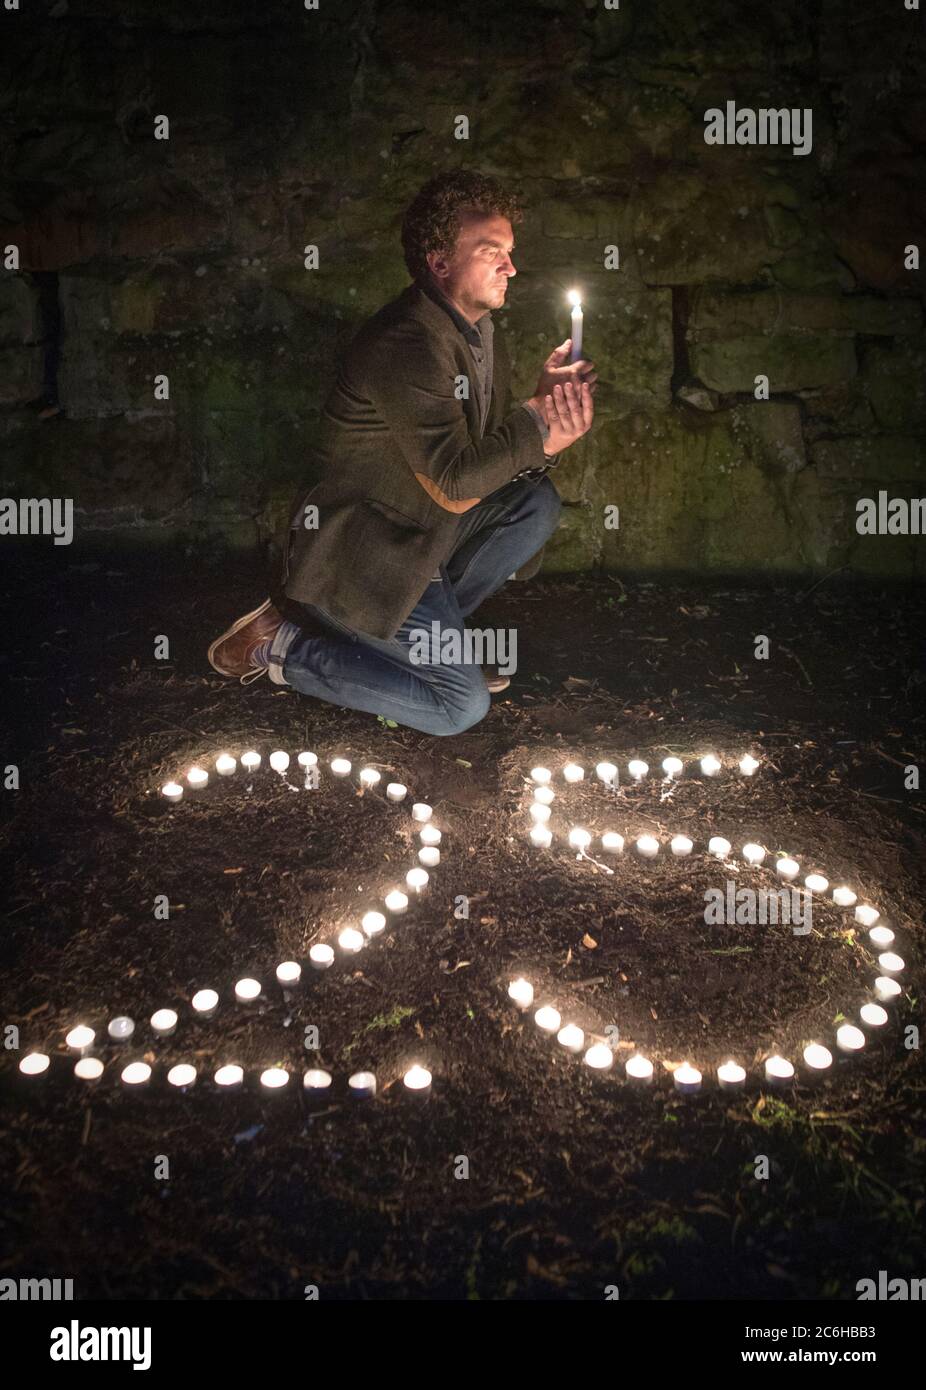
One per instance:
(475, 277)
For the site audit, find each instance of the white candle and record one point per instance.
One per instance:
(317, 1082)
(681, 845)
(539, 813)
(612, 842)
(541, 775)
(350, 940)
(718, 846)
(521, 992)
(307, 760)
(34, 1064)
(247, 990)
(886, 989)
(136, 1074)
(429, 835)
(638, 1070)
(672, 767)
(229, 1076)
(748, 765)
(753, 854)
(817, 1057)
(844, 897)
(687, 1079)
(787, 868)
(849, 1038)
(873, 1015)
(197, 777)
(250, 761)
(120, 1029)
(279, 760)
(369, 777)
(321, 955)
(731, 1076)
(867, 916)
(541, 836)
(80, 1038)
(547, 1019)
(172, 791)
(648, 846)
(572, 1038)
(418, 1080)
(881, 937)
(599, 1057)
(182, 1075)
(429, 856)
(396, 791)
(163, 1022)
(573, 772)
(606, 772)
(637, 768)
(205, 1002)
(362, 1085)
(579, 838)
(225, 764)
(340, 766)
(88, 1069)
(289, 972)
(373, 923)
(421, 811)
(710, 765)
(891, 963)
(274, 1078)
(396, 901)
(778, 1070)
(816, 883)
(575, 351)
(544, 796)
(417, 878)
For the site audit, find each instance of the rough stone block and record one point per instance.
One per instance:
(791, 362)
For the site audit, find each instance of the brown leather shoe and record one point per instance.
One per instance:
(230, 654)
(495, 682)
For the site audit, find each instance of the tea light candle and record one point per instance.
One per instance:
(731, 1077)
(396, 791)
(429, 855)
(891, 963)
(340, 766)
(849, 1038)
(80, 1038)
(816, 883)
(881, 937)
(429, 834)
(369, 777)
(886, 989)
(120, 1029)
(417, 878)
(873, 1015)
(867, 916)
(395, 901)
(351, 940)
(753, 853)
(88, 1069)
(197, 777)
(289, 972)
(321, 955)
(572, 1038)
(639, 1070)
(135, 1074)
(317, 1083)
(205, 1002)
(183, 1076)
(34, 1064)
(778, 1070)
(648, 846)
(274, 1078)
(225, 764)
(843, 897)
(247, 990)
(307, 760)
(573, 772)
(612, 842)
(541, 836)
(373, 923)
(680, 845)
(172, 791)
(279, 760)
(579, 838)
(748, 765)
(421, 811)
(672, 767)
(710, 765)
(787, 868)
(539, 813)
(606, 772)
(687, 1079)
(521, 992)
(250, 761)
(817, 1057)
(362, 1085)
(719, 847)
(637, 769)
(547, 1019)
(599, 1057)
(163, 1022)
(541, 775)
(418, 1080)
(544, 796)
(229, 1077)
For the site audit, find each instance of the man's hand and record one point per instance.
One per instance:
(569, 412)
(557, 370)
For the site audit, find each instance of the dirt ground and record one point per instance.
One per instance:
(576, 1181)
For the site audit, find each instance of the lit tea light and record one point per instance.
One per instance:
(362, 1085)
(731, 1076)
(648, 846)
(542, 775)
(719, 847)
(396, 901)
(229, 1076)
(544, 796)
(396, 791)
(849, 1038)
(844, 897)
(521, 992)
(135, 1074)
(225, 764)
(886, 989)
(891, 963)
(673, 767)
(867, 916)
(80, 1038)
(369, 777)
(639, 1070)
(289, 972)
(787, 868)
(680, 845)
(247, 990)
(539, 813)
(612, 842)
(599, 1057)
(710, 765)
(418, 1080)
(421, 811)
(573, 772)
(687, 1079)
(197, 777)
(373, 923)
(778, 1070)
(429, 835)
(205, 1002)
(579, 838)
(172, 791)
(606, 772)
(183, 1075)
(881, 937)
(34, 1063)
(317, 1082)
(753, 853)
(88, 1069)
(340, 766)
(572, 1038)
(321, 956)
(817, 1057)
(637, 769)
(429, 856)
(120, 1029)
(163, 1022)
(307, 760)
(541, 836)
(274, 1078)
(279, 761)
(873, 1015)
(547, 1019)
(748, 765)
(816, 883)
(417, 878)
(250, 761)
(351, 940)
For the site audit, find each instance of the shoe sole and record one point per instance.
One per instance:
(235, 627)
(495, 684)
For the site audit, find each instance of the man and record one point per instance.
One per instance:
(431, 494)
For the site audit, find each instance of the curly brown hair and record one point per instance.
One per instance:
(432, 222)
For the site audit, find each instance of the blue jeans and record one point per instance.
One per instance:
(496, 537)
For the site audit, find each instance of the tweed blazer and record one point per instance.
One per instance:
(400, 458)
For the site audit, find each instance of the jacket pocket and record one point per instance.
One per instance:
(394, 515)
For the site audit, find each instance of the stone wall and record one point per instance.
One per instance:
(292, 127)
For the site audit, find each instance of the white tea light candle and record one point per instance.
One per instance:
(429, 856)
(680, 845)
(396, 901)
(172, 791)
(890, 963)
(274, 1078)
(421, 811)
(247, 990)
(787, 868)
(579, 838)
(573, 772)
(843, 897)
(362, 1085)
(748, 765)
(672, 767)
(606, 772)
(350, 940)
(612, 842)
(34, 1064)
(205, 1002)
(307, 760)
(539, 813)
(687, 1079)
(544, 796)
(639, 1070)
(873, 1015)
(80, 1038)
(369, 777)
(867, 916)
(225, 764)
(886, 989)
(572, 1038)
(250, 761)
(418, 1080)
(197, 777)
(521, 992)
(637, 769)
(541, 836)
(289, 972)
(710, 765)
(396, 791)
(373, 923)
(417, 878)
(120, 1029)
(817, 1057)
(849, 1038)
(340, 766)
(753, 853)
(321, 955)
(183, 1075)
(778, 1070)
(163, 1022)
(317, 1082)
(731, 1076)
(881, 937)
(136, 1074)
(816, 883)
(541, 775)
(279, 760)
(547, 1019)
(88, 1069)
(648, 846)
(429, 834)
(229, 1076)
(599, 1057)
(719, 847)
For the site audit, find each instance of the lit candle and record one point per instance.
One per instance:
(681, 845)
(120, 1029)
(340, 766)
(687, 1079)
(541, 775)
(321, 955)
(672, 767)
(816, 883)
(80, 1038)
(849, 1038)
(843, 897)
(753, 854)
(34, 1064)
(172, 791)
(396, 791)
(183, 1075)
(135, 1074)
(274, 1078)
(748, 765)
(541, 836)
(612, 842)
(547, 1019)
(648, 846)
(279, 761)
(373, 923)
(599, 1057)
(417, 878)
(205, 1002)
(787, 868)
(88, 1069)
(886, 989)
(867, 916)
(418, 1081)
(891, 963)
(197, 777)
(719, 847)
(778, 1070)
(873, 1015)
(369, 777)
(637, 769)
(881, 937)
(317, 1083)
(229, 1077)
(163, 1022)
(429, 856)
(289, 973)
(307, 760)
(350, 940)
(573, 772)
(817, 1057)
(544, 796)
(395, 901)
(710, 765)
(225, 764)
(575, 351)
(579, 838)
(362, 1085)
(250, 761)
(429, 835)
(572, 1038)
(521, 992)
(731, 1076)
(421, 811)
(639, 1070)
(539, 813)
(606, 772)
(247, 990)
